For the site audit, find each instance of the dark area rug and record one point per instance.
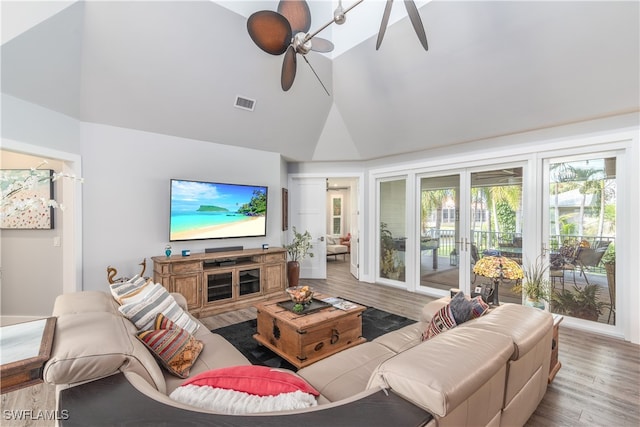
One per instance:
(374, 323)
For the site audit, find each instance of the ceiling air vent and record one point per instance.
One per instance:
(245, 103)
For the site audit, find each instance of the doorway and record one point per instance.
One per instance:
(65, 240)
(343, 224)
(327, 207)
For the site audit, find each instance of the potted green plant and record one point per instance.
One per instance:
(535, 284)
(609, 262)
(390, 266)
(582, 302)
(298, 250)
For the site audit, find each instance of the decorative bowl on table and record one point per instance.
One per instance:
(300, 294)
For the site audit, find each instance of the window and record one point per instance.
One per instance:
(336, 215)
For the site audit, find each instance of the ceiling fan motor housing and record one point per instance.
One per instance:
(301, 46)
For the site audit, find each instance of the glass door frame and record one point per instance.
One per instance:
(571, 156)
(461, 225)
(463, 244)
(406, 283)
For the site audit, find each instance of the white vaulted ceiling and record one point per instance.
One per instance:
(175, 67)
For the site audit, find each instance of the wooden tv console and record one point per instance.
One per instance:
(218, 282)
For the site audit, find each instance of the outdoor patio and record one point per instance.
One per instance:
(446, 277)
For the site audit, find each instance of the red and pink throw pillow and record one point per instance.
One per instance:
(253, 379)
(246, 389)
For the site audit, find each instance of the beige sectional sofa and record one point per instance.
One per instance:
(488, 371)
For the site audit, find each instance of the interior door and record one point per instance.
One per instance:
(307, 204)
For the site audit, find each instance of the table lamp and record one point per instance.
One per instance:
(497, 268)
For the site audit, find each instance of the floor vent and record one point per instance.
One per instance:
(245, 103)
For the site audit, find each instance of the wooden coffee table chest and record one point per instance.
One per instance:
(303, 339)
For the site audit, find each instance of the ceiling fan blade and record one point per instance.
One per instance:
(414, 16)
(321, 45)
(317, 76)
(298, 14)
(270, 31)
(384, 23)
(289, 66)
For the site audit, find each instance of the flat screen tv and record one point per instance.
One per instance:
(212, 210)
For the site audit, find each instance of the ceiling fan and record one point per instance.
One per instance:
(286, 31)
(414, 16)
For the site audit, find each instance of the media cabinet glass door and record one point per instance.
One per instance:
(248, 281)
(224, 285)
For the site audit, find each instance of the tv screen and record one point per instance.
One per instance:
(211, 210)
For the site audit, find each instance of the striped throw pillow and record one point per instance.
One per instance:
(175, 348)
(442, 321)
(157, 300)
(128, 289)
(479, 307)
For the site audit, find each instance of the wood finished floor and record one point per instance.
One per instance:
(598, 384)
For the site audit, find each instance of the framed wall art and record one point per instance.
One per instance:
(25, 193)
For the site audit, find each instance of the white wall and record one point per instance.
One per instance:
(32, 124)
(126, 194)
(126, 200)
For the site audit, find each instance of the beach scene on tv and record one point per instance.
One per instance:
(206, 210)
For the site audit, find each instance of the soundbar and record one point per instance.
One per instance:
(223, 249)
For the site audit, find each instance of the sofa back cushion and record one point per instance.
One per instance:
(333, 240)
(89, 346)
(442, 373)
(84, 302)
(431, 308)
(525, 325)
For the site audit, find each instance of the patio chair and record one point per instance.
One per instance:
(557, 274)
(589, 257)
(559, 262)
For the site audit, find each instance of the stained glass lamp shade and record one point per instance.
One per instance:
(498, 268)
